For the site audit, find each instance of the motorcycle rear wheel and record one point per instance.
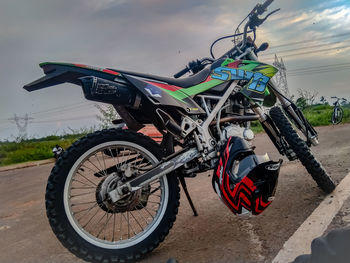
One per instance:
(91, 226)
(303, 152)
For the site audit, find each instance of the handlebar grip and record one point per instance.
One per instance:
(333, 97)
(266, 4)
(181, 73)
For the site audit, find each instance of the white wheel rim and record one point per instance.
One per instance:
(120, 243)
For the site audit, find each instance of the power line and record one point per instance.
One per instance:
(311, 40)
(276, 48)
(320, 70)
(307, 47)
(54, 111)
(317, 72)
(6, 128)
(319, 67)
(67, 119)
(311, 52)
(62, 108)
(50, 109)
(63, 112)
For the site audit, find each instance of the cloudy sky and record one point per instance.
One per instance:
(157, 37)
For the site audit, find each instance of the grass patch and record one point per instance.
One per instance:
(320, 115)
(40, 149)
(256, 127)
(33, 149)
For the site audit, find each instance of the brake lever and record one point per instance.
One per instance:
(195, 66)
(255, 21)
(274, 11)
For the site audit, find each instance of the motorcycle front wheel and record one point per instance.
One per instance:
(82, 216)
(302, 151)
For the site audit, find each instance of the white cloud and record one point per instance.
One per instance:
(154, 36)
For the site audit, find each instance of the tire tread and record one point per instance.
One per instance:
(72, 241)
(306, 157)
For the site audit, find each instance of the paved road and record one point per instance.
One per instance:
(215, 236)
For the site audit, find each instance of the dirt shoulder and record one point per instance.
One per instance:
(26, 164)
(216, 235)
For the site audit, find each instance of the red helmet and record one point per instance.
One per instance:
(243, 180)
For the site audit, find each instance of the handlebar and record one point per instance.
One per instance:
(338, 99)
(194, 66)
(181, 72)
(254, 21)
(264, 6)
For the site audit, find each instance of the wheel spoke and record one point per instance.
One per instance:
(92, 216)
(136, 221)
(121, 223)
(146, 210)
(120, 163)
(86, 209)
(83, 183)
(98, 170)
(83, 188)
(86, 212)
(104, 215)
(101, 168)
(110, 151)
(152, 202)
(84, 203)
(87, 179)
(154, 190)
(113, 227)
(82, 194)
(91, 169)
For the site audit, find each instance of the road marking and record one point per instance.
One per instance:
(315, 225)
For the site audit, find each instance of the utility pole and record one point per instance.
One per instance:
(281, 76)
(22, 124)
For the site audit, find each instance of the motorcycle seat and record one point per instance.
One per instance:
(181, 82)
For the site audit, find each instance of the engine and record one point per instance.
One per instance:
(235, 130)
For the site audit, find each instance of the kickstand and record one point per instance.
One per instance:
(184, 186)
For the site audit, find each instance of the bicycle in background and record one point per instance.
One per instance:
(337, 115)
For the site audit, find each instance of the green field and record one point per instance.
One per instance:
(33, 149)
(40, 149)
(320, 115)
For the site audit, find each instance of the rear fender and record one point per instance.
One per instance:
(58, 73)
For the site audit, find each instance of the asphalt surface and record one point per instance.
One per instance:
(216, 235)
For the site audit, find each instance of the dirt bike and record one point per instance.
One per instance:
(113, 195)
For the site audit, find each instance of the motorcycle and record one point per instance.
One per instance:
(113, 195)
(57, 151)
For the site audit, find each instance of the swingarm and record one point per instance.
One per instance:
(170, 164)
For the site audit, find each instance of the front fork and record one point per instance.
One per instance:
(296, 116)
(274, 134)
(291, 110)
